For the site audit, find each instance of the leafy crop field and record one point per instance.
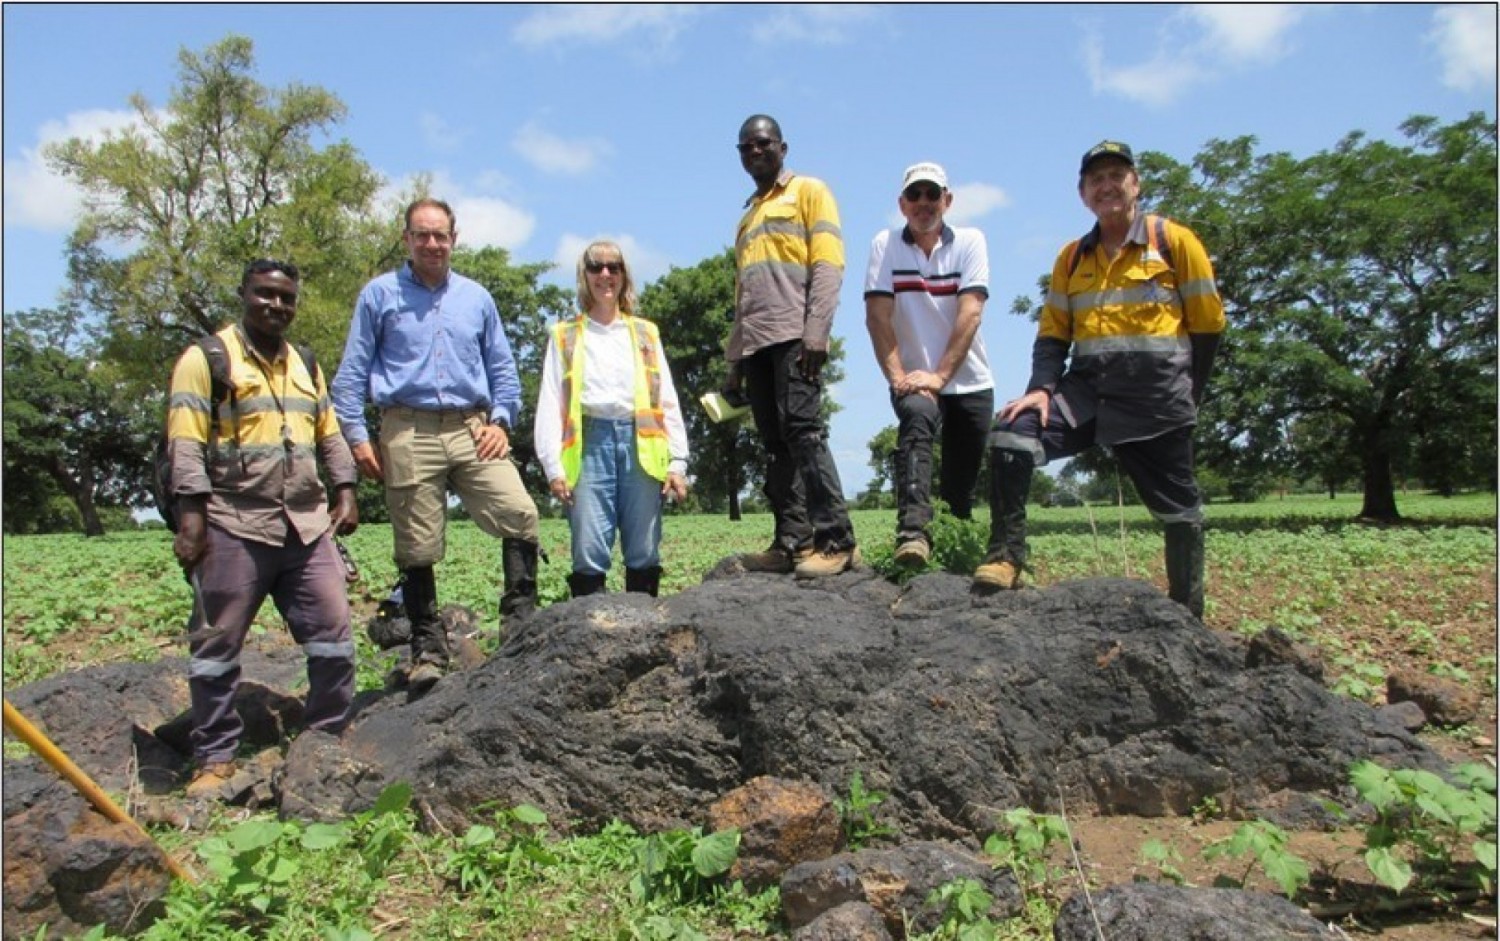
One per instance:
(1421, 595)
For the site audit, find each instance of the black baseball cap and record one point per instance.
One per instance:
(1106, 148)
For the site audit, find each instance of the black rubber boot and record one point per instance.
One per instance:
(1184, 555)
(519, 559)
(646, 581)
(1010, 486)
(429, 642)
(586, 583)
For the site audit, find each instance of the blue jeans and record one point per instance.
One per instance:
(614, 494)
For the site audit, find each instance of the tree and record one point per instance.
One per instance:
(1360, 289)
(226, 172)
(69, 427)
(883, 464)
(694, 307)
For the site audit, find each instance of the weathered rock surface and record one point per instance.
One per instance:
(1151, 912)
(1443, 701)
(68, 866)
(895, 883)
(958, 707)
(781, 823)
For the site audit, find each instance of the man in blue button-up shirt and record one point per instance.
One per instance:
(427, 347)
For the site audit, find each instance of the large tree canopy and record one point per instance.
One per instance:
(176, 204)
(69, 426)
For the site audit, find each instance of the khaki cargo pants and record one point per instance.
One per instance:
(423, 453)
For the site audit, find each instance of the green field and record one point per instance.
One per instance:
(1301, 563)
(1420, 594)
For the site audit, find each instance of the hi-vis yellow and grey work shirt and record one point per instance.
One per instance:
(261, 475)
(1128, 324)
(789, 265)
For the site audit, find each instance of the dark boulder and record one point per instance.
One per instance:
(1150, 912)
(69, 867)
(958, 706)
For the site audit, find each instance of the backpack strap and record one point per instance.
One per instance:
(220, 388)
(309, 359)
(1156, 232)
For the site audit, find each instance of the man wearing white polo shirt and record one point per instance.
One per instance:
(925, 290)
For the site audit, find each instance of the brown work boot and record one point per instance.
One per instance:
(913, 553)
(827, 562)
(209, 780)
(776, 560)
(997, 574)
(423, 676)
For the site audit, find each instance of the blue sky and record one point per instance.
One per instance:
(548, 125)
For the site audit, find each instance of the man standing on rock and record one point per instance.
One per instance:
(1135, 304)
(255, 519)
(925, 289)
(789, 264)
(426, 346)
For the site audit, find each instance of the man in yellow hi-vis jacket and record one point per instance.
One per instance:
(1123, 353)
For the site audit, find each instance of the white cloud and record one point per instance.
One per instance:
(972, 201)
(656, 25)
(38, 198)
(646, 264)
(483, 218)
(1465, 41)
(439, 135)
(552, 154)
(1244, 33)
(1198, 44)
(821, 24)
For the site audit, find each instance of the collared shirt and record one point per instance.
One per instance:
(608, 392)
(926, 290)
(789, 265)
(1127, 322)
(432, 350)
(261, 475)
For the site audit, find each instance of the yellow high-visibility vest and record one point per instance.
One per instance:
(651, 448)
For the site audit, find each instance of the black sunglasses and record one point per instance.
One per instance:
(608, 267)
(262, 265)
(919, 191)
(760, 143)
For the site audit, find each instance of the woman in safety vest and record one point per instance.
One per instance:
(609, 431)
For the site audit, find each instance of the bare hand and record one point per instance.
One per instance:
(190, 545)
(491, 442)
(368, 461)
(675, 488)
(810, 363)
(919, 380)
(1038, 399)
(561, 491)
(345, 512)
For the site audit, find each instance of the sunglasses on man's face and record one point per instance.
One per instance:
(607, 267)
(759, 144)
(920, 191)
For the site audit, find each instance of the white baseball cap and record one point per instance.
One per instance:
(928, 172)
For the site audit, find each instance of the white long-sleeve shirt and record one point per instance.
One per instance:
(608, 392)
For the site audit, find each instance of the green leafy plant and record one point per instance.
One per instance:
(1207, 809)
(509, 851)
(1023, 845)
(966, 905)
(1359, 680)
(1266, 844)
(1165, 858)
(857, 815)
(1422, 821)
(680, 866)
